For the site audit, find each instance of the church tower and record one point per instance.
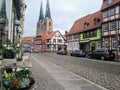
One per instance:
(48, 23)
(45, 23)
(40, 20)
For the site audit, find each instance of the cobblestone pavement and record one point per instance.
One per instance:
(104, 73)
(43, 80)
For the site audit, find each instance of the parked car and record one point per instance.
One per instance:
(103, 54)
(80, 53)
(62, 52)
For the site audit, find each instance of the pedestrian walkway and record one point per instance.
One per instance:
(67, 79)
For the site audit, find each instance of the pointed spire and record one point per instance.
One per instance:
(48, 14)
(41, 17)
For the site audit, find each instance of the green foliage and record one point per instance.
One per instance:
(19, 58)
(8, 53)
(23, 73)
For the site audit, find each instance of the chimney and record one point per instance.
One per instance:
(66, 32)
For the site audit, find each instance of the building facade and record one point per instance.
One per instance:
(90, 33)
(85, 33)
(54, 41)
(12, 20)
(110, 23)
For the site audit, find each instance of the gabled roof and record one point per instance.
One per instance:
(46, 35)
(105, 4)
(64, 36)
(49, 35)
(92, 25)
(78, 26)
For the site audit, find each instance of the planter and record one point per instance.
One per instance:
(25, 88)
(18, 80)
(8, 62)
(27, 63)
(19, 63)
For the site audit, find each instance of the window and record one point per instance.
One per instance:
(112, 12)
(77, 36)
(84, 35)
(49, 23)
(86, 25)
(91, 34)
(54, 40)
(59, 41)
(113, 43)
(105, 27)
(119, 24)
(95, 33)
(87, 34)
(96, 21)
(113, 25)
(99, 44)
(44, 23)
(105, 14)
(109, 1)
(48, 40)
(106, 42)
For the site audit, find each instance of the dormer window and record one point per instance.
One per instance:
(96, 21)
(86, 25)
(109, 1)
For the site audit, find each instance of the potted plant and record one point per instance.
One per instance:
(8, 53)
(17, 80)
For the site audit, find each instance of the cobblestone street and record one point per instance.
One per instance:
(104, 73)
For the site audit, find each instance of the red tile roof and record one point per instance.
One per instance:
(91, 19)
(50, 35)
(64, 36)
(26, 39)
(78, 26)
(106, 5)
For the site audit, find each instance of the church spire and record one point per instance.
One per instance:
(48, 14)
(41, 17)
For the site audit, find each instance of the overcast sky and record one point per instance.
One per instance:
(63, 12)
